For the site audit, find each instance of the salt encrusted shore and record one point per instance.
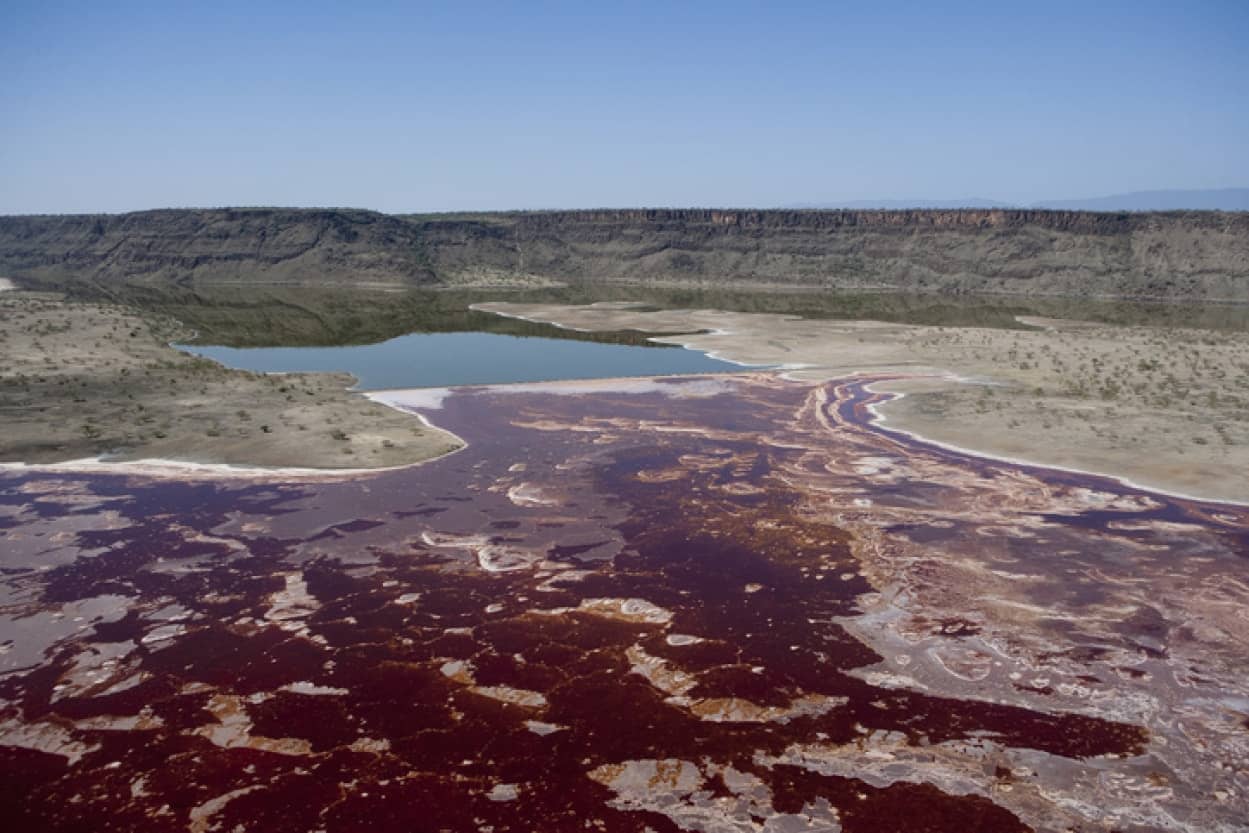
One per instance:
(1005, 394)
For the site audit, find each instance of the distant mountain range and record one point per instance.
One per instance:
(1220, 199)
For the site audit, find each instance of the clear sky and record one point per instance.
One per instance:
(414, 107)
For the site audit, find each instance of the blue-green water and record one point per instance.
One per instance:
(422, 360)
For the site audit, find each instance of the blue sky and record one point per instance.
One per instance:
(417, 107)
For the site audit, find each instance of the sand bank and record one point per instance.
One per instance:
(187, 470)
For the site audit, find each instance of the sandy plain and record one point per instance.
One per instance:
(1164, 408)
(80, 380)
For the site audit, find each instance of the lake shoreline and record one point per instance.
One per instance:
(97, 382)
(961, 400)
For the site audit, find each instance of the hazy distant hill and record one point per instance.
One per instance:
(895, 205)
(1219, 199)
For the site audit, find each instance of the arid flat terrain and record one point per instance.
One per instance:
(1163, 407)
(83, 380)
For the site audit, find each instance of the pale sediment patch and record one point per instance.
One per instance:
(503, 792)
(51, 738)
(145, 720)
(500, 558)
(426, 399)
(557, 581)
(290, 606)
(538, 727)
(739, 710)
(670, 386)
(375, 746)
(677, 683)
(201, 814)
(530, 494)
(1026, 781)
(679, 790)
(680, 639)
(660, 673)
(27, 639)
(312, 689)
(461, 671)
(164, 633)
(628, 610)
(636, 611)
(493, 558)
(233, 729)
(458, 670)
(452, 540)
(189, 470)
(512, 696)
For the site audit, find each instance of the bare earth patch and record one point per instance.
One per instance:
(84, 380)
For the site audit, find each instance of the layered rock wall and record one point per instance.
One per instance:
(1173, 255)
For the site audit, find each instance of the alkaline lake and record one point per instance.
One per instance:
(468, 358)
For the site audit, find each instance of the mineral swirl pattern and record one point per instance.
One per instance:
(720, 604)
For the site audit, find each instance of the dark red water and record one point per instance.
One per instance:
(676, 500)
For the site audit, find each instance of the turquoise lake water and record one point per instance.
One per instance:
(426, 360)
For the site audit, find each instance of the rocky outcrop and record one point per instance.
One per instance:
(1174, 255)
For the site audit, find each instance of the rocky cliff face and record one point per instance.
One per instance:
(1081, 254)
(214, 246)
(1178, 255)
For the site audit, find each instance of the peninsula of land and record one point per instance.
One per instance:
(83, 381)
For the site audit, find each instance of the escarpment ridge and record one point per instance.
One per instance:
(1192, 255)
(184, 246)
